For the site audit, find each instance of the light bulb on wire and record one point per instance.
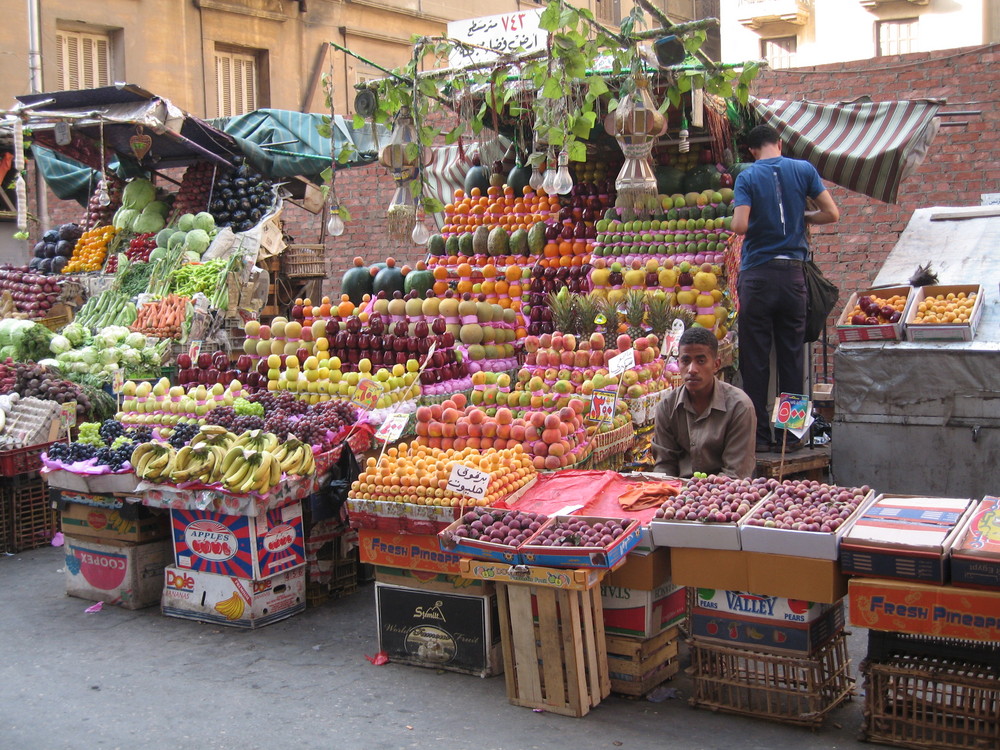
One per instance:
(421, 234)
(683, 144)
(335, 224)
(536, 179)
(548, 182)
(103, 197)
(562, 183)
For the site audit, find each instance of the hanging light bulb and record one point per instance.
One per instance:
(103, 197)
(536, 179)
(335, 224)
(563, 181)
(420, 233)
(683, 145)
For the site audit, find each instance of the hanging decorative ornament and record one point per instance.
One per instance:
(140, 143)
(20, 188)
(637, 123)
(402, 157)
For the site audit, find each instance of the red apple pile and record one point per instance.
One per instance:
(808, 506)
(577, 532)
(507, 527)
(209, 369)
(713, 499)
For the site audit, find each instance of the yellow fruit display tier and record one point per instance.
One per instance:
(417, 474)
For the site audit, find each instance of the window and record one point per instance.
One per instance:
(896, 37)
(238, 81)
(609, 11)
(83, 60)
(779, 52)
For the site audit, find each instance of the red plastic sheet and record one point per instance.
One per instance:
(596, 491)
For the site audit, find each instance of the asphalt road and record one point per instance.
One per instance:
(136, 679)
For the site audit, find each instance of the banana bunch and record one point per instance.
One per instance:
(153, 461)
(245, 470)
(257, 440)
(231, 608)
(202, 463)
(295, 457)
(213, 435)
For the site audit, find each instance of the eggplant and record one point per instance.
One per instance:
(245, 226)
(240, 182)
(245, 204)
(226, 193)
(239, 216)
(243, 170)
(241, 192)
(255, 215)
(232, 205)
(217, 205)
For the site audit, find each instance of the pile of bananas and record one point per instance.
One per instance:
(251, 462)
(154, 461)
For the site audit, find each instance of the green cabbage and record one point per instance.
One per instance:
(190, 256)
(147, 223)
(164, 235)
(88, 355)
(197, 240)
(52, 364)
(186, 222)
(135, 340)
(160, 252)
(177, 240)
(124, 218)
(205, 221)
(76, 333)
(138, 194)
(7, 351)
(60, 344)
(158, 207)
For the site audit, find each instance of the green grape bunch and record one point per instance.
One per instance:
(245, 408)
(90, 434)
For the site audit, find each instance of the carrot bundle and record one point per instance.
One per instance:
(162, 318)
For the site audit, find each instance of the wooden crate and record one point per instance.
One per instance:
(638, 665)
(931, 703)
(790, 690)
(557, 662)
(303, 261)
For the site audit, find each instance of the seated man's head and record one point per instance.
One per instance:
(698, 357)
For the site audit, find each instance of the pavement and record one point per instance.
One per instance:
(136, 679)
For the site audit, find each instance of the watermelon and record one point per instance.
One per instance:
(702, 177)
(669, 180)
(357, 282)
(419, 280)
(389, 279)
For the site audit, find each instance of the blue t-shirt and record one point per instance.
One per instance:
(776, 190)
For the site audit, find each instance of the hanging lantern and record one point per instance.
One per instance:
(403, 157)
(637, 123)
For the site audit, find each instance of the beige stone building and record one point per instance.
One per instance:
(797, 33)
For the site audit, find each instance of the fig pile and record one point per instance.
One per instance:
(808, 506)
(577, 532)
(508, 527)
(715, 499)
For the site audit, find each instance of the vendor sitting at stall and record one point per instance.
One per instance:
(707, 425)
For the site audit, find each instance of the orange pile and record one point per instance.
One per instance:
(90, 250)
(498, 208)
(411, 473)
(946, 308)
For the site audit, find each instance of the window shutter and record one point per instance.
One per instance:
(83, 60)
(103, 59)
(223, 82)
(236, 82)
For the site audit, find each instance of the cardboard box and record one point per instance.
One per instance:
(884, 332)
(815, 544)
(943, 331)
(232, 601)
(757, 605)
(975, 553)
(902, 536)
(136, 523)
(442, 631)
(922, 609)
(581, 557)
(129, 575)
(418, 579)
(251, 547)
(645, 571)
(63, 497)
(760, 634)
(693, 534)
(559, 578)
(805, 578)
(640, 613)
(409, 551)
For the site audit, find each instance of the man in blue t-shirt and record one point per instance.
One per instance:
(771, 211)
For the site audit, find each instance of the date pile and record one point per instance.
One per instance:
(808, 506)
(715, 499)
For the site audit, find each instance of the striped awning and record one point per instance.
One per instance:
(869, 147)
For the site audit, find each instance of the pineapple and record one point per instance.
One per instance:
(586, 314)
(635, 313)
(612, 318)
(562, 304)
(660, 316)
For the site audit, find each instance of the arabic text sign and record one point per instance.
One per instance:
(392, 427)
(504, 34)
(602, 404)
(465, 480)
(621, 363)
(367, 393)
(791, 411)
(67, 416)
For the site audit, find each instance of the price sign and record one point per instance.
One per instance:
(392, 427)
(465, 480)
(603, 402)
(621, 363)
(367, 393)
(67, 416)
(118, 380)
(791, 411)
(194, 350)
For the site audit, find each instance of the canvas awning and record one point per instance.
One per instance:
(869, 147)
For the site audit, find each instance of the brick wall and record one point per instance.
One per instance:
(962, 162)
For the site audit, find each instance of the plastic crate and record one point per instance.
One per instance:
(22, 460)
(931, 703)
(886, 647)
(790, 690)
(31, 520)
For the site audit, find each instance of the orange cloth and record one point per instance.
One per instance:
(648, 495)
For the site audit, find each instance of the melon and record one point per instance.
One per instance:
(419, 280)
(357, 282)
(389, 279)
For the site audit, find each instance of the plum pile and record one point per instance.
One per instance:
(715, 499)
(808, 506)
(577, 532)
(508, 527)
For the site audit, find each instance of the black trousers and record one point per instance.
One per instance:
(773, 301)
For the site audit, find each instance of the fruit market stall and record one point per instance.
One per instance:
(924, 386)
